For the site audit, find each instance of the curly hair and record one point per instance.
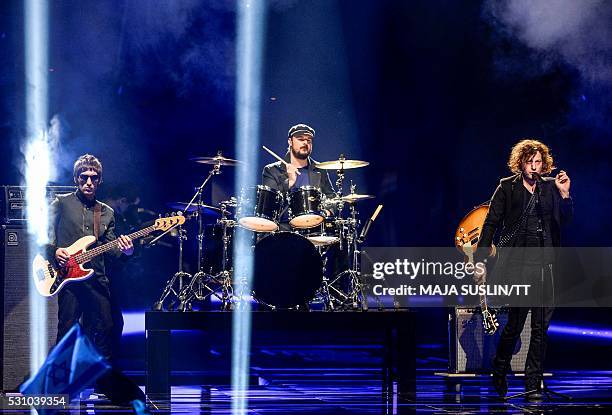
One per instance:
(524, 150)
(86, 162)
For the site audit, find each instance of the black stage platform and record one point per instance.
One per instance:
(393, 330)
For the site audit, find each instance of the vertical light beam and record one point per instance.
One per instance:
(37, 161)
(250, 29)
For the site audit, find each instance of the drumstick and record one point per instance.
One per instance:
(376, 212)
(273, 154)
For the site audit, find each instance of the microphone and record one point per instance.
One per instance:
(366, 227)
(537, 177)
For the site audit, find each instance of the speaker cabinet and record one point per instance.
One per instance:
(471, 350)
(16, 330)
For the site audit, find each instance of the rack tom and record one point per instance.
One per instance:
(305, 207)
(259, 212)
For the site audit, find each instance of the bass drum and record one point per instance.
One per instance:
(288, 270)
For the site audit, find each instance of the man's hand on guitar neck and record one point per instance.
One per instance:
(125, 245)
(480, 273)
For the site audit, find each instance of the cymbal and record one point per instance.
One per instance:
(351, 198)
(205, 209)
(341, 164)
(218, 159)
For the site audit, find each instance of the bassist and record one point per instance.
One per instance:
(73, 216)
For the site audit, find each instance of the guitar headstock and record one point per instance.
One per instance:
(163, 224)
(489, 322)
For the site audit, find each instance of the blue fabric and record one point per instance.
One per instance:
(302, 178)
(73, 365)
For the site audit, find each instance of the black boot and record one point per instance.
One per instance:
(534, 387)
(500, 383)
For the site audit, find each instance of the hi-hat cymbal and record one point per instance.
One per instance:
(341, 164)
(350, 198)
(218, 159)
(205, 209)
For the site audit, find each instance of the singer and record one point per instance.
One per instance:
(530, 210)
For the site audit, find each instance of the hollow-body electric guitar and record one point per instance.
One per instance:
(466, 240)
(49, 278)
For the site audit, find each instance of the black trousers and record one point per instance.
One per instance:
(540, 320)
(89, 300)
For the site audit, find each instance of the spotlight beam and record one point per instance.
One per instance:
(250, 29)
(37, 161)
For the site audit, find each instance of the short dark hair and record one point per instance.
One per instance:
(86, 162)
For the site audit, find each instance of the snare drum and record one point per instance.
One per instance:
(261, 213)
(326, 234)
(305, 209)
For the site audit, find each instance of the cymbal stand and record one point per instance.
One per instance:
(223, 279)
(180, 275)
(204, 285)
(187, 294)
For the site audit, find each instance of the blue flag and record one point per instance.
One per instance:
(73, 365)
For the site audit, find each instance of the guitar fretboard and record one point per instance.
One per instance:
(88, 255)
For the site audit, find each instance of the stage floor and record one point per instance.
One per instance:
(332, 391)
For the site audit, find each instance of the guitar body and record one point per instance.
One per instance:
(49, 279)
(470, 227)
(466, 241)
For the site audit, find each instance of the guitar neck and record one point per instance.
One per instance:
(89, 255)
(468, 250)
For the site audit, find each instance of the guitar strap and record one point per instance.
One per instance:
(508, 236)
(97, 217)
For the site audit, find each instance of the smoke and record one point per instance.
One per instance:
(536, 37)
(577, 33)
(188, 41)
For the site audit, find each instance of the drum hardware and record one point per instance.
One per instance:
(180, 276)
(290, 267)
(203, 284)
(186, 292)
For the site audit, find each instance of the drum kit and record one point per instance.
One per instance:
(297, 237)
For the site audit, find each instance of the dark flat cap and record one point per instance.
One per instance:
(301, 128)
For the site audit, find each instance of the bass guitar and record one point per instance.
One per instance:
(49, 278)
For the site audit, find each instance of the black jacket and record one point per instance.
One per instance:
(275, 175)
(507, 206)
(71, 217)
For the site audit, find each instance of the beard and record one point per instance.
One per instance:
(301, 154)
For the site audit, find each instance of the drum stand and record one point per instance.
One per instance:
(180, 276)
(354, 298)
(204, 285)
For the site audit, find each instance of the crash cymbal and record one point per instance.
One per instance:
(218, 159)
(354, 197)
(205, 209)
(350, 198)
(341, 164)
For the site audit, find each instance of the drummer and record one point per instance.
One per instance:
(299, 169)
